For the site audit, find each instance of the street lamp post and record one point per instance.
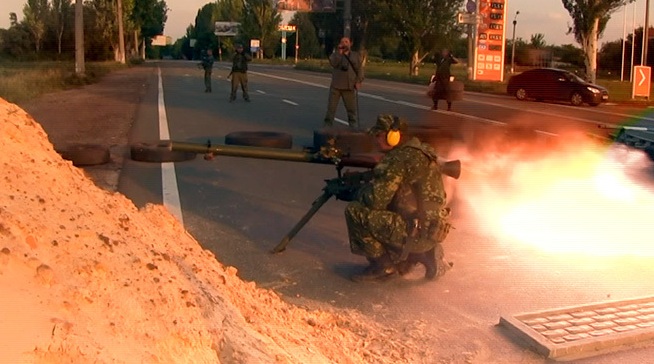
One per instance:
(515, 21)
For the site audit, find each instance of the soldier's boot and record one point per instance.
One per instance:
(405, 266)
(434, 268)
(379, 269)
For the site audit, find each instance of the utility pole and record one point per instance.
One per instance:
(515, 21)
(79, 38)
(645, 34)
(347, 18)
(297, 42)
(624, 40)
(633, 43)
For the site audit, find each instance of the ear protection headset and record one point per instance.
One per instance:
(393, 135)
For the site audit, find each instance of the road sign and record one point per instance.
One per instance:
(287, 28)
(226, 28)
(642, 81)
(254, 45)
(490, 41)
(471, 6)
(465, 18)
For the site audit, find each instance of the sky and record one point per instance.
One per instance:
(548, 17)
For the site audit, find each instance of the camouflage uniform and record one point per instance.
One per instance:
(402, 209)
(240, 73)
(207, 65)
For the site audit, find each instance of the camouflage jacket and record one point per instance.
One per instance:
(408, 181)
(207, 62)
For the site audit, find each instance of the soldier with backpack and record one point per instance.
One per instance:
(400, 218)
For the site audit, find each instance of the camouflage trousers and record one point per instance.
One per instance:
(207, 79)
(373, 233)
(239, 79)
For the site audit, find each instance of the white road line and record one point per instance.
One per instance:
(168, 176)
(261, 92)
(341, 121)
(164, 134)
(290, 102)
(381, 98)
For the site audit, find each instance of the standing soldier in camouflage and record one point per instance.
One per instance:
(239, 73)
(400, 218)
(207, 65)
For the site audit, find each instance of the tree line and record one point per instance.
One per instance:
(389, 30)
(46, 31)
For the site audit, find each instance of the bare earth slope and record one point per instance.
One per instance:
(88, 277)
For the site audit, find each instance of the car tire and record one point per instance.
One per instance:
(347, 140)
(158, 153)
(576, 99)
(521, 94)
(85, 154)
(267, 139)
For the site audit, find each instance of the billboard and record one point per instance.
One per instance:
(490, 40)
(161, 40)
(316, 6)
(226, 28)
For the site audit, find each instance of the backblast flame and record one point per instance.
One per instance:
(584, 200)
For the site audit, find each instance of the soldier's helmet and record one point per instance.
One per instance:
(393, 126)
(387, 122)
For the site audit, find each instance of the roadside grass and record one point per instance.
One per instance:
(399, 71)
(23, 81)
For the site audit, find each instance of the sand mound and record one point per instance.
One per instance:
(88, 277)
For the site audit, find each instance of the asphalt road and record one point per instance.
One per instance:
(240, 209)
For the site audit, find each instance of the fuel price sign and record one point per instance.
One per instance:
(490, 41)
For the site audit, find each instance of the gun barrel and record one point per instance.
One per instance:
(362, 160)
(248, 152)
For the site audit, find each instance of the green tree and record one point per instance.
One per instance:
(538, 40)
(260, 21)
(232, 11)
(589, 19)
(100, 30)
(424, 26)
(570, 54)
(36, 15)
(205, 28)
(16, 42)
(308, 41)
(149, 18)
(13, 19)
(61, 18)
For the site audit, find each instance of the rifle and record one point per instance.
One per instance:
(344, 187)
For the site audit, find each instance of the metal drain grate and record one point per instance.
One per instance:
(583, 331)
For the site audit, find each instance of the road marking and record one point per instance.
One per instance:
(164, 134)
(382, 98)
(290, 102)
(170, 193)
(261, 92)
(376, 97)
(341, 121)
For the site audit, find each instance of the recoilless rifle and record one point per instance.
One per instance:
(344, 187)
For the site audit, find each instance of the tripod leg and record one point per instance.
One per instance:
(315, 206)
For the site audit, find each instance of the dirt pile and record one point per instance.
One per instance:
(88, 277)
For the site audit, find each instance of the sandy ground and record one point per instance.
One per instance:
(88, 277)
